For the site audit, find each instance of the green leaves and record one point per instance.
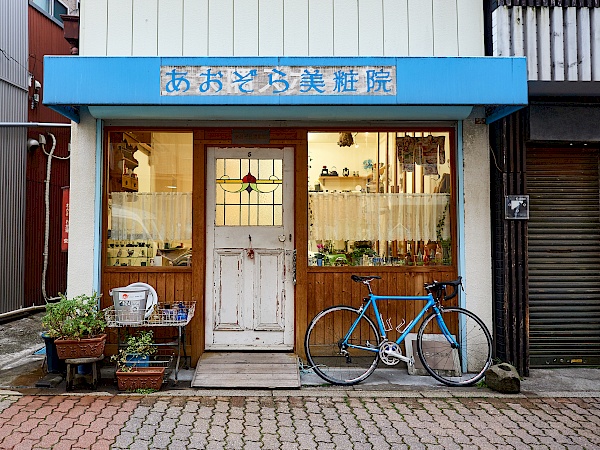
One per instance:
(75, 318)
(140, 344)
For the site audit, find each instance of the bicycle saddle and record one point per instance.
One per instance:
(365, 279)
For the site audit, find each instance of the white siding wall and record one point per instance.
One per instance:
(477, 220)
(80, 272)
(281, 28)
(561, 44)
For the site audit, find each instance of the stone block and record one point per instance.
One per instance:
(503, 378)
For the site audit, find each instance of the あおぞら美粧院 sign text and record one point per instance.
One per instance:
(277, 81)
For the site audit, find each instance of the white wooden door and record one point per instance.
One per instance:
(250, 240)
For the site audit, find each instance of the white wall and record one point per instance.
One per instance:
(478, 241)
(281, 28)
(80, 272)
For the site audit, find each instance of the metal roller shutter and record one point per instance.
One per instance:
(564, 256)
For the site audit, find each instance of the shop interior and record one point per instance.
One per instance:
(379, 198)
(149, 198)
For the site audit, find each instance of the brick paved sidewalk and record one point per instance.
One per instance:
(297, 422)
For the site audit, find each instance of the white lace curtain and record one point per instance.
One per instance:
(388, 217)
(159, 216)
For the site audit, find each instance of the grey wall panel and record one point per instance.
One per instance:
(13, 42)
(13, 145)
(559, 43)
(564, 123)
(12, 217)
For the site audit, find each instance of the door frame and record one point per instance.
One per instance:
(209, 137)
(235, 244)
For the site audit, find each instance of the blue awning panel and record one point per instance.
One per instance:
(130, 87)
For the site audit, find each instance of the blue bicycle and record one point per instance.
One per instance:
(343, 345)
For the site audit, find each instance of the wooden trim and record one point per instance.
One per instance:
(147, 269)
(198, 245)
(364, 270)
(301, 241)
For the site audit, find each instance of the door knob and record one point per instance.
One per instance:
(281, 238)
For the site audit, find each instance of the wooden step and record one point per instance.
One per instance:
(252, 370)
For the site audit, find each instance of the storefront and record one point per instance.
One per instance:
(257, 186)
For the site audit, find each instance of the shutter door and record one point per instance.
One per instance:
(563, 256)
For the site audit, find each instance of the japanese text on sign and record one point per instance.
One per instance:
(280, 80)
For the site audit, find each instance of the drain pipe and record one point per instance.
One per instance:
(47, 204)
(22, 311)
(33, 124)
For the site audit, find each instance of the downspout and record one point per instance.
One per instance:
(18, 312)
(47, 219)
(33, 124)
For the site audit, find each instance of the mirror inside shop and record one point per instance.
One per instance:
(379, 198)
(149, 181)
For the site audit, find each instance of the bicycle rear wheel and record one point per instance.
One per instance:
(333, 361)
(461, 365)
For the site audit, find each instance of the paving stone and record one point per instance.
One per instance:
(302, 422)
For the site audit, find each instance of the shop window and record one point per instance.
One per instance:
(379, 199)
(249, 192)
(149, 180)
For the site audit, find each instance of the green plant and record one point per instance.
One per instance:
(75, 318)
(145, 391)
(439, 228)
(139, 345)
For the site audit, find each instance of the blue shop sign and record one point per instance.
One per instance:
(279, 80)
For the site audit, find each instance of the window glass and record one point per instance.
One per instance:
(59, 9)
(379, 199)
(249, 192)
(43, 4)
(149, 198)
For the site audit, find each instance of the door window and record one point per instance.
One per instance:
(248, 192)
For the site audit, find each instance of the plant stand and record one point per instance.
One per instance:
(72, 364)
(161, 317)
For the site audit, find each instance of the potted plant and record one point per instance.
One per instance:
(133, 367)
(139, 348)
(77, 326)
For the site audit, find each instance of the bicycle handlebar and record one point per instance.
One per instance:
(437, 288)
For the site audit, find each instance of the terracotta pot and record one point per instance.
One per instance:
(82, 348)
(141, 378)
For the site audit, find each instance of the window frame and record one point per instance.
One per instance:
(452, 210)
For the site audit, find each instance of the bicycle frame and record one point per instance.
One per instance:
(372, 301)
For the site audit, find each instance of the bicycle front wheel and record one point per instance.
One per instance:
(455, 364)
(338, 361)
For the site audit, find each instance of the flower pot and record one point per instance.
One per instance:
(135, 360)
(82, 348)
(53, 362)
(141, 378)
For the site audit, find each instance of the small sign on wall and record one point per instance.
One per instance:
(516, 207)
(64, 240)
